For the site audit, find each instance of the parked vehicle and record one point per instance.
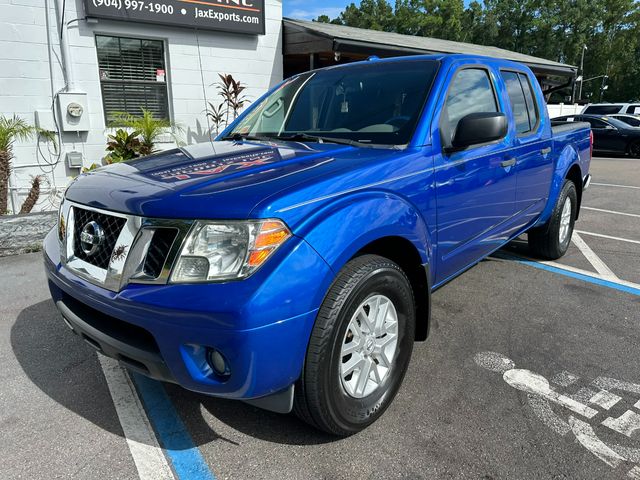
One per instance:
(610, 135)
(290, 263)
(631, 120)
(611, 108)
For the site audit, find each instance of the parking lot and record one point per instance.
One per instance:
(475, 402)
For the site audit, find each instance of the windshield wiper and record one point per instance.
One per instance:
(305, 137)
(238, 137)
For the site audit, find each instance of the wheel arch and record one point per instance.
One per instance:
(386, 225)
(402, 252)
(567, 167)
(575, 175)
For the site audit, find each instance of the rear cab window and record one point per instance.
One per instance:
(523, 106)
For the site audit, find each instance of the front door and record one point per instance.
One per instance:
(476, 187)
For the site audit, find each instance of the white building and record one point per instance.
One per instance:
(120, 65)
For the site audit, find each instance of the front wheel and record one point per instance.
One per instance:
(359, 349)
(551, 241)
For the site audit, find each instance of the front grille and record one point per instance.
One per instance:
(112, 226)
(158, 252)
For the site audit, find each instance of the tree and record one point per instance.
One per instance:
(14, 129)
(545, 28)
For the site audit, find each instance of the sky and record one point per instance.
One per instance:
(310, 9)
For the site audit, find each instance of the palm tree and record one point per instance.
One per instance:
(11, 129)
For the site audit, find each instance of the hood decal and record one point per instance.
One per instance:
(216, 166)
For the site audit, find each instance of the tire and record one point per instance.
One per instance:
(634, 150)
(326, 395)
(551, 241)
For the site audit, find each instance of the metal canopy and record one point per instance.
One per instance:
(304, 37)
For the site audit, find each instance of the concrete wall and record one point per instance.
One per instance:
(24, 233)
(31, 73)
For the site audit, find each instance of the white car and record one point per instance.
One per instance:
(611, 108)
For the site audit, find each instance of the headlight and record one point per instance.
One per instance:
(227, 250)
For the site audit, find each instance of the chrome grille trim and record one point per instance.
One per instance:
(127, 259)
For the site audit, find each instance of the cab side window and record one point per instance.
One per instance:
(597, 124)
(633, 109)
(471, 91)
(524, 109)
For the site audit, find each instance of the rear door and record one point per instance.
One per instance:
(532, 146)
(475, 187)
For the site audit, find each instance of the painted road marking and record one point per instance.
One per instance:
(573, 272)
(541, 396)
(610, 211)
(145, 450)
(588, 439)
(185, 456)
(614, 185)
(608, 236)
(593, 259)
(604, 399)
(627, 424)
(530, 382)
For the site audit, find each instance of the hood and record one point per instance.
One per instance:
(209, 180)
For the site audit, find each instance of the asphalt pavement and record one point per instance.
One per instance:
(531, 371)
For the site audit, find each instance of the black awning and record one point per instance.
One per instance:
(314, 38)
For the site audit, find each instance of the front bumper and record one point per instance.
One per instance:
(261, 324)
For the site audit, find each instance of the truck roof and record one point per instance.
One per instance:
(444, 58)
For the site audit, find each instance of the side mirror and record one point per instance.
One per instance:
(477, 128)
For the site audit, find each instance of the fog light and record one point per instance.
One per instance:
(218, 363)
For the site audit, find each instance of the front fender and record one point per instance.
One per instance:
(567, 159)
(340, 229)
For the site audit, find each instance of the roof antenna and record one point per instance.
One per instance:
(373, 58)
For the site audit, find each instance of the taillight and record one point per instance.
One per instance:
(591, 143)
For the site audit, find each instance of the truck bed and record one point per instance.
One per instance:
(562, 126)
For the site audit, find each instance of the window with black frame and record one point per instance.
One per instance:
(132, 76)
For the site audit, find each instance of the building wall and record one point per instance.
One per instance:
(31, 73)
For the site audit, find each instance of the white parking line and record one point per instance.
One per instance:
(608, 236)
(610, 211)
(145, 450)
(593, 259)
(614, 185)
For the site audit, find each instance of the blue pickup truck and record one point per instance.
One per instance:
(290, 262)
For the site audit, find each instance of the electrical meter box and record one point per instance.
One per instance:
(74, 159)
(74, 115)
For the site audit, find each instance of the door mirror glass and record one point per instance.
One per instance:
(480, 127)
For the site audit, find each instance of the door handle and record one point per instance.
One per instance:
(508, 163)
(545, 151)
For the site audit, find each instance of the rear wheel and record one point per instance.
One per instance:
(359, 349)
(551, 241)
(634, 149)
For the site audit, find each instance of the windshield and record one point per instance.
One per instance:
(375, 103)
